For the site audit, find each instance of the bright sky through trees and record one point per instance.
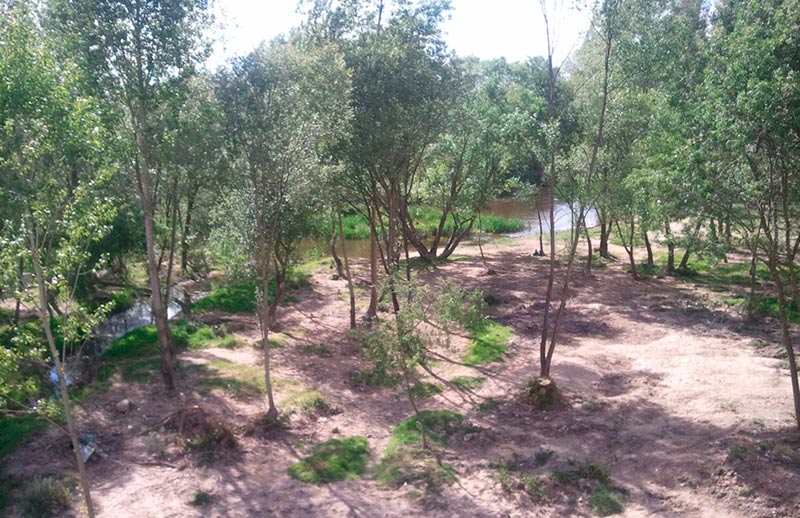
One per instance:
(488, 29)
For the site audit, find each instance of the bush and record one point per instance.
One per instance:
(45, 497)
(605, 502)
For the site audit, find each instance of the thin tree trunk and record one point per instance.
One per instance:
(263, 321)
(20, 288)
(786, 338)
(751, 302)
(336, 260)
(547, 358)
(187, 226)
(350, 288)
(685, 260)
(670, 249)
(649, 248)
(589, 250)
(629, 250)
(44, 317)
(541, 230)
(372, 310)
(158, 309)
(605, 231)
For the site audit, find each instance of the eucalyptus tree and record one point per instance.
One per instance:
(53, 171)
(753, 99)
(132, 52)
(283, 107)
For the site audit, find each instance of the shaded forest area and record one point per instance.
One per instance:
(638, 366)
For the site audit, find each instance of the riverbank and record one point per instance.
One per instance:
(673, 407)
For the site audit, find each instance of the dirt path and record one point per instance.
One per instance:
(663, 387)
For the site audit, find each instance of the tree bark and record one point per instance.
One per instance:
(372, 310)
(350, 289)
(628, 250)
(264, 319)
(605, 231)
(145, 187)
(649, 248)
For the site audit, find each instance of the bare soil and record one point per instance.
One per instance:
(661, 383)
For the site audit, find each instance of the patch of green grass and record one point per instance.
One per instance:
(45, 497)
(205, 337)
(737, 452)
(333, 460)
(423, 390)
(426, 221)
(201, 498)
(489, 343)
(306, 400)
(535, 488)
(143, 342)
(437, 424)
(405, 460)
(17, 431)
(566, 476)
(239, 298)
(605, 502)
(594, 471)
(467, 382)
(501, 224)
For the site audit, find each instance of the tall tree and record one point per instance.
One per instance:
(283, 106)
(133, 50)
(754, 102)
(52, 173)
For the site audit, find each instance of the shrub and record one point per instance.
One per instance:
(45, 497)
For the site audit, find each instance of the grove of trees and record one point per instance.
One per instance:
(677, 123)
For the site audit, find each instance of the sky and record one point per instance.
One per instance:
(513, 29)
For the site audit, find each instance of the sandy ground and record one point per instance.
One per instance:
(663, 388)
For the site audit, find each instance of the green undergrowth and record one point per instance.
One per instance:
(333, 460)
(606, 499)
(489, 343)
(406, 460)
(17, 431)
(143, 342)
(426, 221)
(45, 496)
(306, 400)
(467, 382)
(241, 298)
(424, 390)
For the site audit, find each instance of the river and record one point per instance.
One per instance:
(509, 207)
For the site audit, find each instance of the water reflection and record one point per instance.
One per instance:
(564, 219)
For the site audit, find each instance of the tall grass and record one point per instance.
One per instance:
(426, 221)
